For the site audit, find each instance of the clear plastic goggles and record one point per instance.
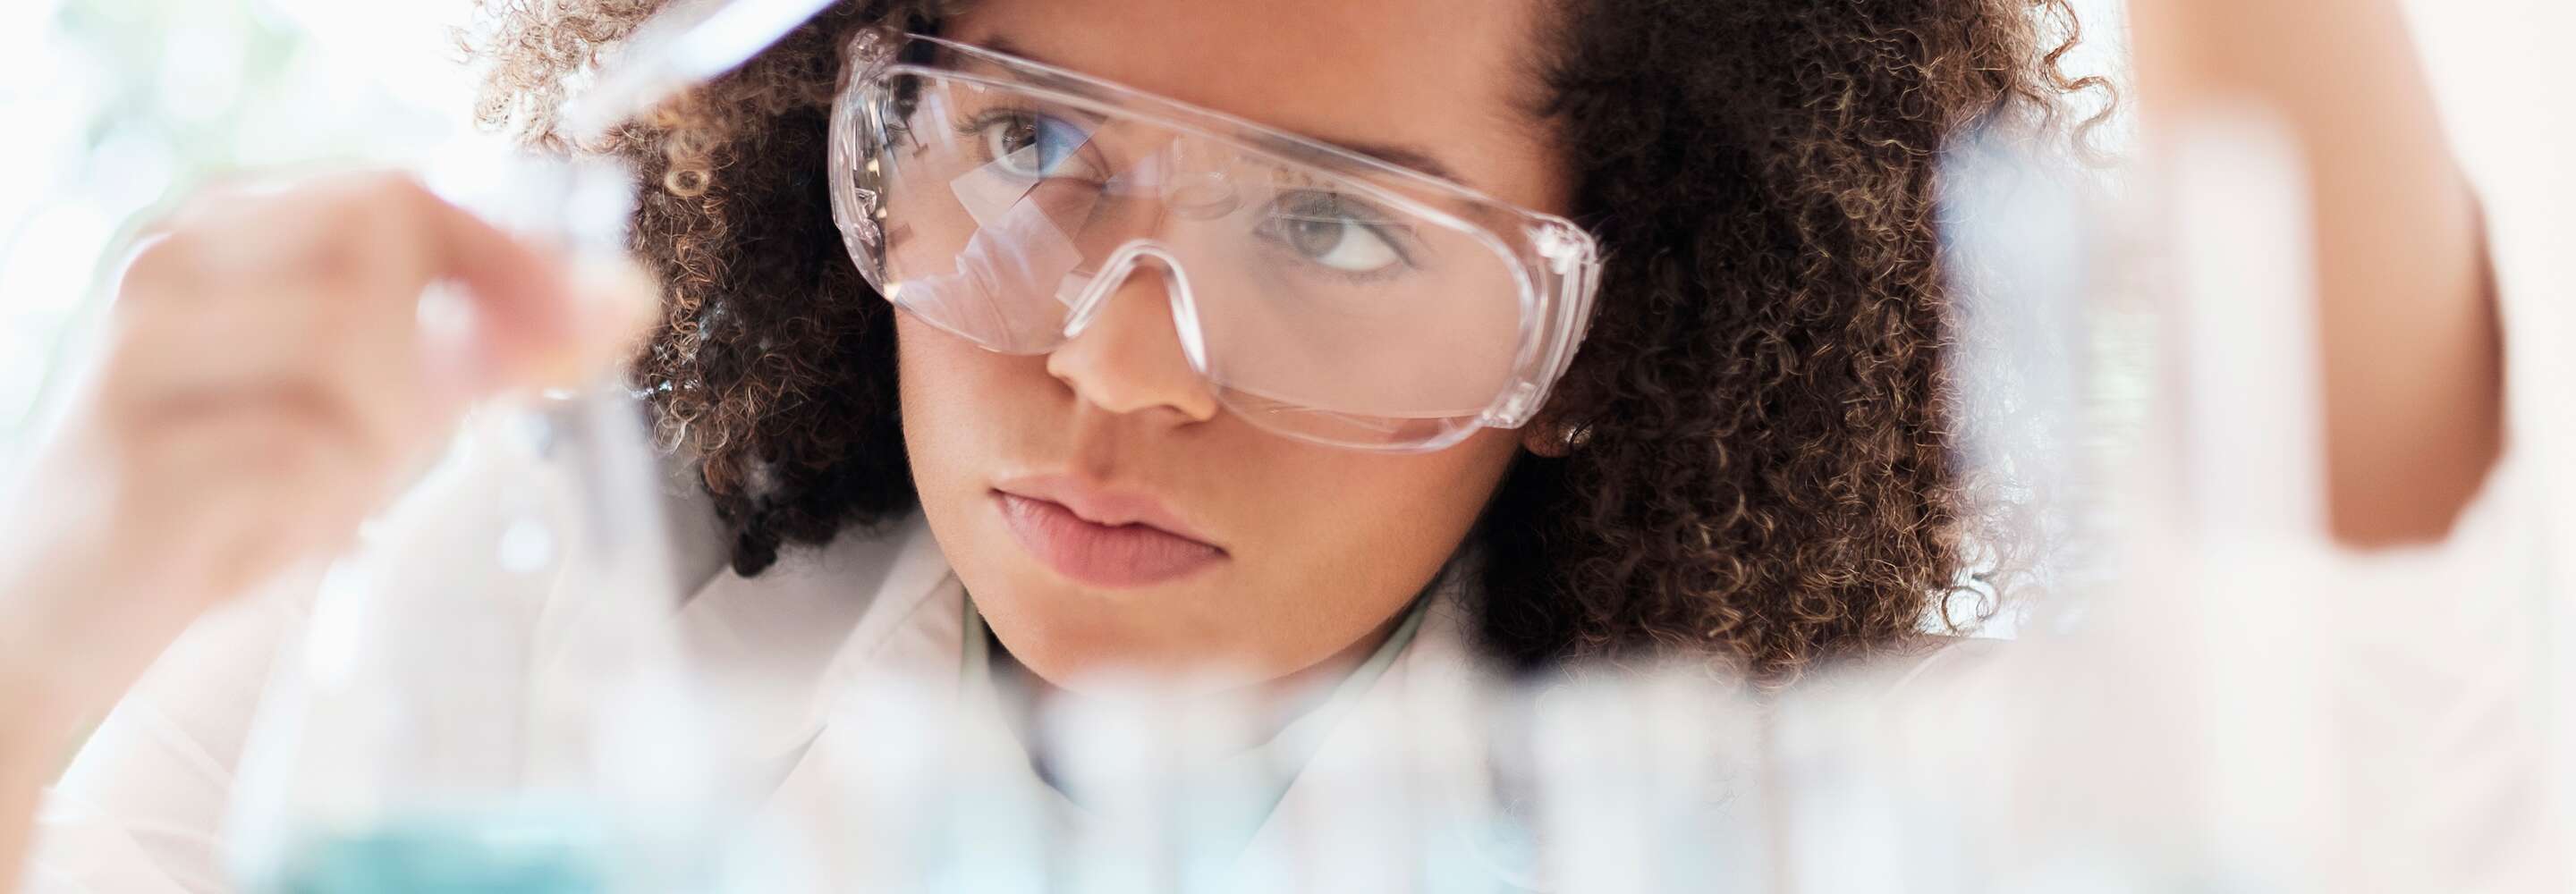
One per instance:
(1322, 294)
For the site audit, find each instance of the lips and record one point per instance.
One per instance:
(1102, 538)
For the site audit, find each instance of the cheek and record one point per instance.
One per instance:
(1351, 537)
(963, 408)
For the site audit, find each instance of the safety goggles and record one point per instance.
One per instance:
(1321, 294)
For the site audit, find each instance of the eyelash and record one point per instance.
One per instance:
(1397, 237)
(972, 125)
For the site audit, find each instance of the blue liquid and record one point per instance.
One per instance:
(499, 854)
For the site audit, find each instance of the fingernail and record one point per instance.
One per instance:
(618, 297)
(614, 303)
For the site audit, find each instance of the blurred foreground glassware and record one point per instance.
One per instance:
(491, 695)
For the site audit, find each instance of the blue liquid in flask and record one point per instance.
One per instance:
(449, 854)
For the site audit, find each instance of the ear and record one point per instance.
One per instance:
(1545, 436)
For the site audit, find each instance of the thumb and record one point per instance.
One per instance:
(611, 305)
(534, 318)
(590, 314)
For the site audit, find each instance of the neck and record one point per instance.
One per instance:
(1270, 704)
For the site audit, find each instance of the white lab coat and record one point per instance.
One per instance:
(796, 651)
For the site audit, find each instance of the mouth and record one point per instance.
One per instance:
(1099, 538)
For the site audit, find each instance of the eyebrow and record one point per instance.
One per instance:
(1413, 158)
(1400, 156)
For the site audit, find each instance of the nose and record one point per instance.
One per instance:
(1126, 356)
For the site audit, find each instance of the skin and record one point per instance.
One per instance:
(1324, 546)
(262, 387)
(2412, 355)
(261, 384)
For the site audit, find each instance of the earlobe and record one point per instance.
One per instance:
(1551, 439)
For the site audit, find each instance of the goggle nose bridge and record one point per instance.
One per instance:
(1187, 177)
(1091, 295)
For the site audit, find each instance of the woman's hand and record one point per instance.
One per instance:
(2411, 349)
(264, 384)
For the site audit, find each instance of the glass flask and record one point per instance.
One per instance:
(490, 694)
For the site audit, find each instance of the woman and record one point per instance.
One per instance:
(1746, 462)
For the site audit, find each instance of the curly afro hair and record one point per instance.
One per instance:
(1760, 474)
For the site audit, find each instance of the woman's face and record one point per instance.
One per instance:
(1295, 554)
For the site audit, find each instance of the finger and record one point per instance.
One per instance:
(348, 338)
(534, 316)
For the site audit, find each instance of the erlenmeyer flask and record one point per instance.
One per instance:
(491, 694)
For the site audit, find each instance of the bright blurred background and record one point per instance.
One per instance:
(115, 106)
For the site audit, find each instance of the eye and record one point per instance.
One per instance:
(1030, 145)
(1337, 232)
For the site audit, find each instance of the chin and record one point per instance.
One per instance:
(1082, 639)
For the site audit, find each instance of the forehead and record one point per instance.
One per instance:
(1453, 78)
